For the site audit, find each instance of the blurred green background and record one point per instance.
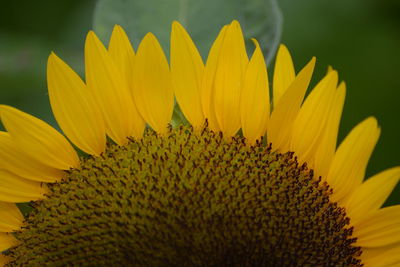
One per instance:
(359, 38)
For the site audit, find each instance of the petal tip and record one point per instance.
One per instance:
(91, 38)
(176, 24)
(255, 42)
(149, 36)
(283, 48)
(117, 27)
(372, 121)
(235, 23)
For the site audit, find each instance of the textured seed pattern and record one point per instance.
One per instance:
(187, 199)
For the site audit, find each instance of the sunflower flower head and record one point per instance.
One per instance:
(251, 180)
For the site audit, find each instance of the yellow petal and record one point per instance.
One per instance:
(381, 256)
(152, 84)
(187, 73)
(312, 117)
(207, 85)
(380, 228)
(121, 51)
(371, 195)
(254, 106)
(16, 161)
(285, 112)
(284, 73)
(7, 241)
(228, 84)
(11, 218)
(327, 146)
(74, 107)
(38, 139)
(351, 158)
(14, 188)
(110, 91)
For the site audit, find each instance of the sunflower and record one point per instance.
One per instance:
(250, 180)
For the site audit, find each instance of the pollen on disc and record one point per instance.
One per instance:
(187, 198)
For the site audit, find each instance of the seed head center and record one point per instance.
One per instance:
(187, 199)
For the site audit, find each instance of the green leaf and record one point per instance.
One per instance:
(25, 208)
(203, 19)
(177, 117)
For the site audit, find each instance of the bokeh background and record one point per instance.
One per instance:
(359, 38)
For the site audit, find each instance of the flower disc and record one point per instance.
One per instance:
(187, 198)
